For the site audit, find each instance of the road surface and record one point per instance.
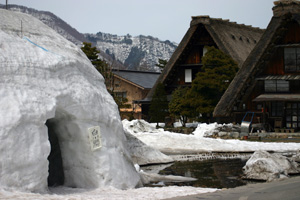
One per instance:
(288, 189)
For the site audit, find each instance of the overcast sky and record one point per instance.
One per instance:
(164, 19)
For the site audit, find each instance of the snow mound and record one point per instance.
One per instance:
(265, 166)
(137, 126)
(204, 130)
(171, 143)
(46, 79)
(296, 157)
(143, 154)
(217, 130)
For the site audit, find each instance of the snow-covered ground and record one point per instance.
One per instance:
(176, 143)
(145, 193)
(167, 142)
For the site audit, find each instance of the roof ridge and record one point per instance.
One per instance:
(283, 7)
(206, 19)
(135, 71)
(286, 2)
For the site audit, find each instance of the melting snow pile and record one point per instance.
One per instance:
(137, 126)
(141, 153)
(265, 166)
(175, 143)
(46, 79)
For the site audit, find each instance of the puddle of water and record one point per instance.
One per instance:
(216, 173)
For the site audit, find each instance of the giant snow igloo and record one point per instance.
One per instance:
(50, 97)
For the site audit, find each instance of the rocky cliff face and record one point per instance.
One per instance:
(124, 52)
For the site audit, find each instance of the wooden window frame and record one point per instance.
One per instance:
(296, 59)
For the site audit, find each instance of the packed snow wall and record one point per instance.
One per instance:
(50, 91)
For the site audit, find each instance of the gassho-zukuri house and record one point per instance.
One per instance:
(236, 40)
(268, 83)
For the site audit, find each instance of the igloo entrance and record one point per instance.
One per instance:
(65, 136)
(56, 171)
(70, 159)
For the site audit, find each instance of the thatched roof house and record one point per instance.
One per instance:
(273, 62)
(236, 40)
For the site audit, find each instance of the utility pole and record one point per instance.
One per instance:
(6, 4)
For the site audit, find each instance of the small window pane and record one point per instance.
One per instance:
(277, 109)
(270, 85)
(188, 75)
(282, 86)
(204, 51)
(295, 118)
(290, 59)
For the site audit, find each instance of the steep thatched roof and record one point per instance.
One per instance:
(236, 40)
(244, 81)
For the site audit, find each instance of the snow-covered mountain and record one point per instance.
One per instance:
(52, 21)
(136, 53)
(139, 52)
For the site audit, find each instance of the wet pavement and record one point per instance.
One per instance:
(215, 173)
(287, 189)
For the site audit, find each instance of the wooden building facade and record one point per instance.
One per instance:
(132, 85)
(268, 83)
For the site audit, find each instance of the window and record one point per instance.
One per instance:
(121, 94)
(293, 115)
(292, 59)
(277, 86)
(277, 109)
(188, 75)
(204, 51)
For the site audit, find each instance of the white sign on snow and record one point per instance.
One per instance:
(95, 137)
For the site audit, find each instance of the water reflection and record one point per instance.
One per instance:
(217, 173)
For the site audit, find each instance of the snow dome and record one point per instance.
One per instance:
(52, 98)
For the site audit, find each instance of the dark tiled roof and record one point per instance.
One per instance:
(143, 79)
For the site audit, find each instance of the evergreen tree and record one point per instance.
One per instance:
(121, 101)
(209, 85)
(178, 106)
(91, 52)
(161, 63)
(159, 105)
(104, 69)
